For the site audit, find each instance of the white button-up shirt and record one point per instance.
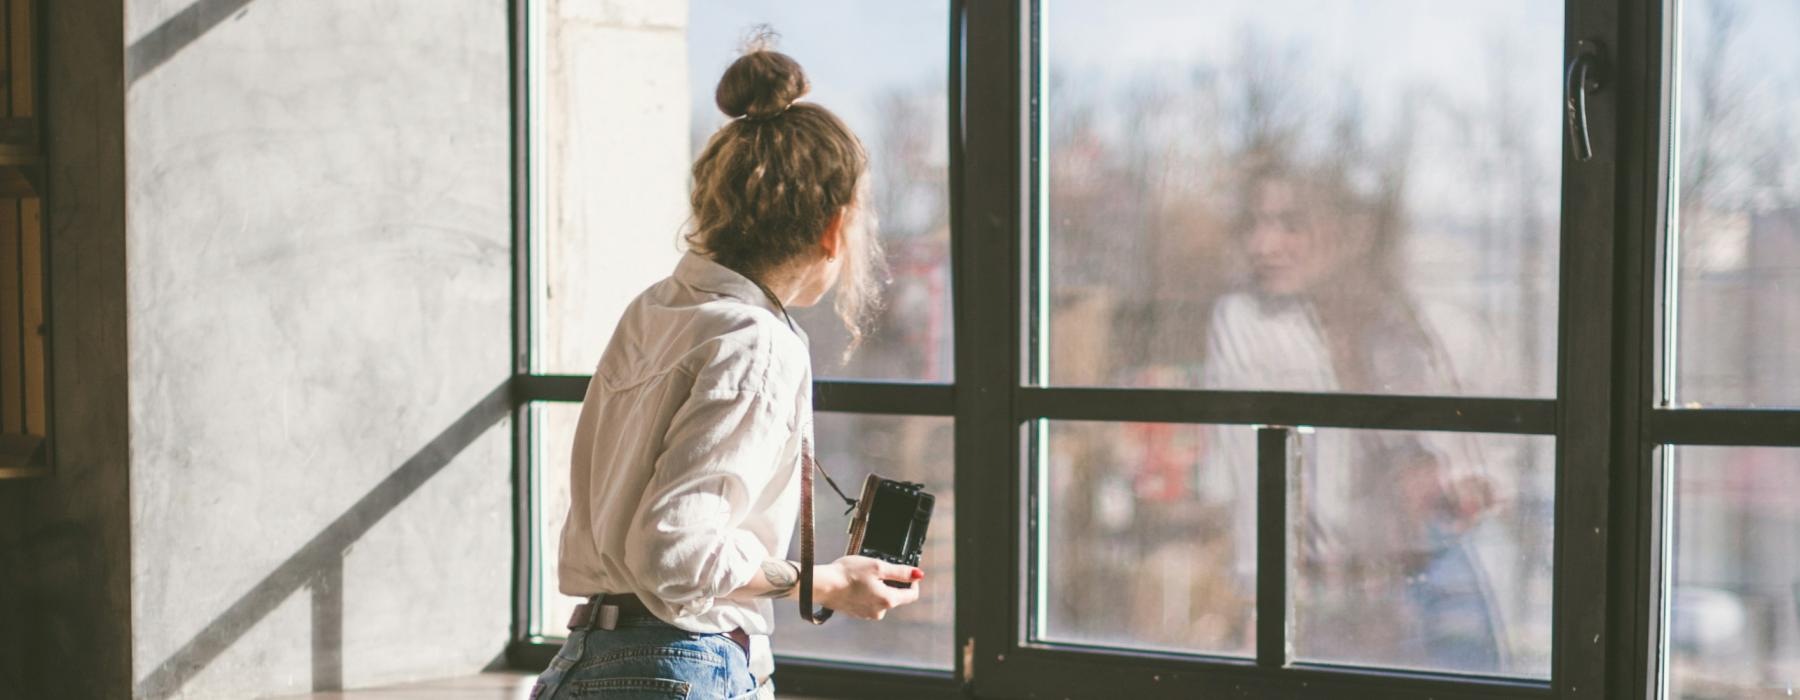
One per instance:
(687, 454)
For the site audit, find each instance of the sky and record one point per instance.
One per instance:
(851, 50)
(850, 47)
(1461, 51)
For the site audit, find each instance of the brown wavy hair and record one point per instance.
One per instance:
(772, 178)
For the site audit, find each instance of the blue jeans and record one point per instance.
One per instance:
(1455, 608)
(647, 659)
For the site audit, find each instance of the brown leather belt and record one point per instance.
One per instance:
(594, 614)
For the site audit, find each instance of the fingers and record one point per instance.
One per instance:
(873, 596)
(897, 597)
(887, 599)
(898, 572)
(1474, 494)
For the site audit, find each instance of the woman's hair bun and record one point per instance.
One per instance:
(762, 83)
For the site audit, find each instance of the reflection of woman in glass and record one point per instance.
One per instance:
(1381, 517)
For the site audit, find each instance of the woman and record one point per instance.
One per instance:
(1386, 572)
(689, 452)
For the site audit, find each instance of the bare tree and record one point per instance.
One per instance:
(1712, 121)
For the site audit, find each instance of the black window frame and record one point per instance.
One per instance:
(1607, 528)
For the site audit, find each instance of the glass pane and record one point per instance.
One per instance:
(1304, 196)
(1737, 221)
(623, 101)
(1734, 627)
(609, 167)
(883, 67)
(911, 448)
(553, 438)
(1422, 550)
(1146, 540)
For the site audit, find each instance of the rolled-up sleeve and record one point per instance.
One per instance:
(684, 544)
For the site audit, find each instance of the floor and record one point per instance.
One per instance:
(487, 686)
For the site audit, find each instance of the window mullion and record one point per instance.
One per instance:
(987, 135)
(1271, 546)
(1585, 379)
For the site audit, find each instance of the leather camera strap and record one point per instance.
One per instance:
(807, 464)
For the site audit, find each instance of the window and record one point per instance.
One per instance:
(1734, 246)
(1279, 196)
(1728, 461)
(1118, 498)
(554, 439)
(607, 200)
(1734, 605)
(1391, 569)
(912, 448)
(1235, 190)
(1284, 348)
(1383, 570)
(611, 185)
(881, 67)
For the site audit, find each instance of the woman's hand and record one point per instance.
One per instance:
(1471, 497)
(856, 586)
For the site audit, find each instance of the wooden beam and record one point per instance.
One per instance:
(6, 63)
(31, 263)
(24, 82)
(12, 372)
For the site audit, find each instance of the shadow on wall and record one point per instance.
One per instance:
(175, 34)
(319, 564)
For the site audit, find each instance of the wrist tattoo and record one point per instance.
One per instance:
(782, 577)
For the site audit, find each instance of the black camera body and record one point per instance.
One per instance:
(890, 523)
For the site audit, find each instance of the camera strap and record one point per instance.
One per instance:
(808, 464)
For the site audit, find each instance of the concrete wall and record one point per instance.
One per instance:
(319, 316)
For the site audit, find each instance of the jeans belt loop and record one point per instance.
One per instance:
(608, 617)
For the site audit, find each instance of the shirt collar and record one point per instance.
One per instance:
(702, 273)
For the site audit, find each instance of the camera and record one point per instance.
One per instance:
(891, 518)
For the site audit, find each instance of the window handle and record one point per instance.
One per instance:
(1584, 76)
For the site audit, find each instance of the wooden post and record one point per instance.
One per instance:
(12, 345)
(31, 259)
(22, 83)
(24, 361)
